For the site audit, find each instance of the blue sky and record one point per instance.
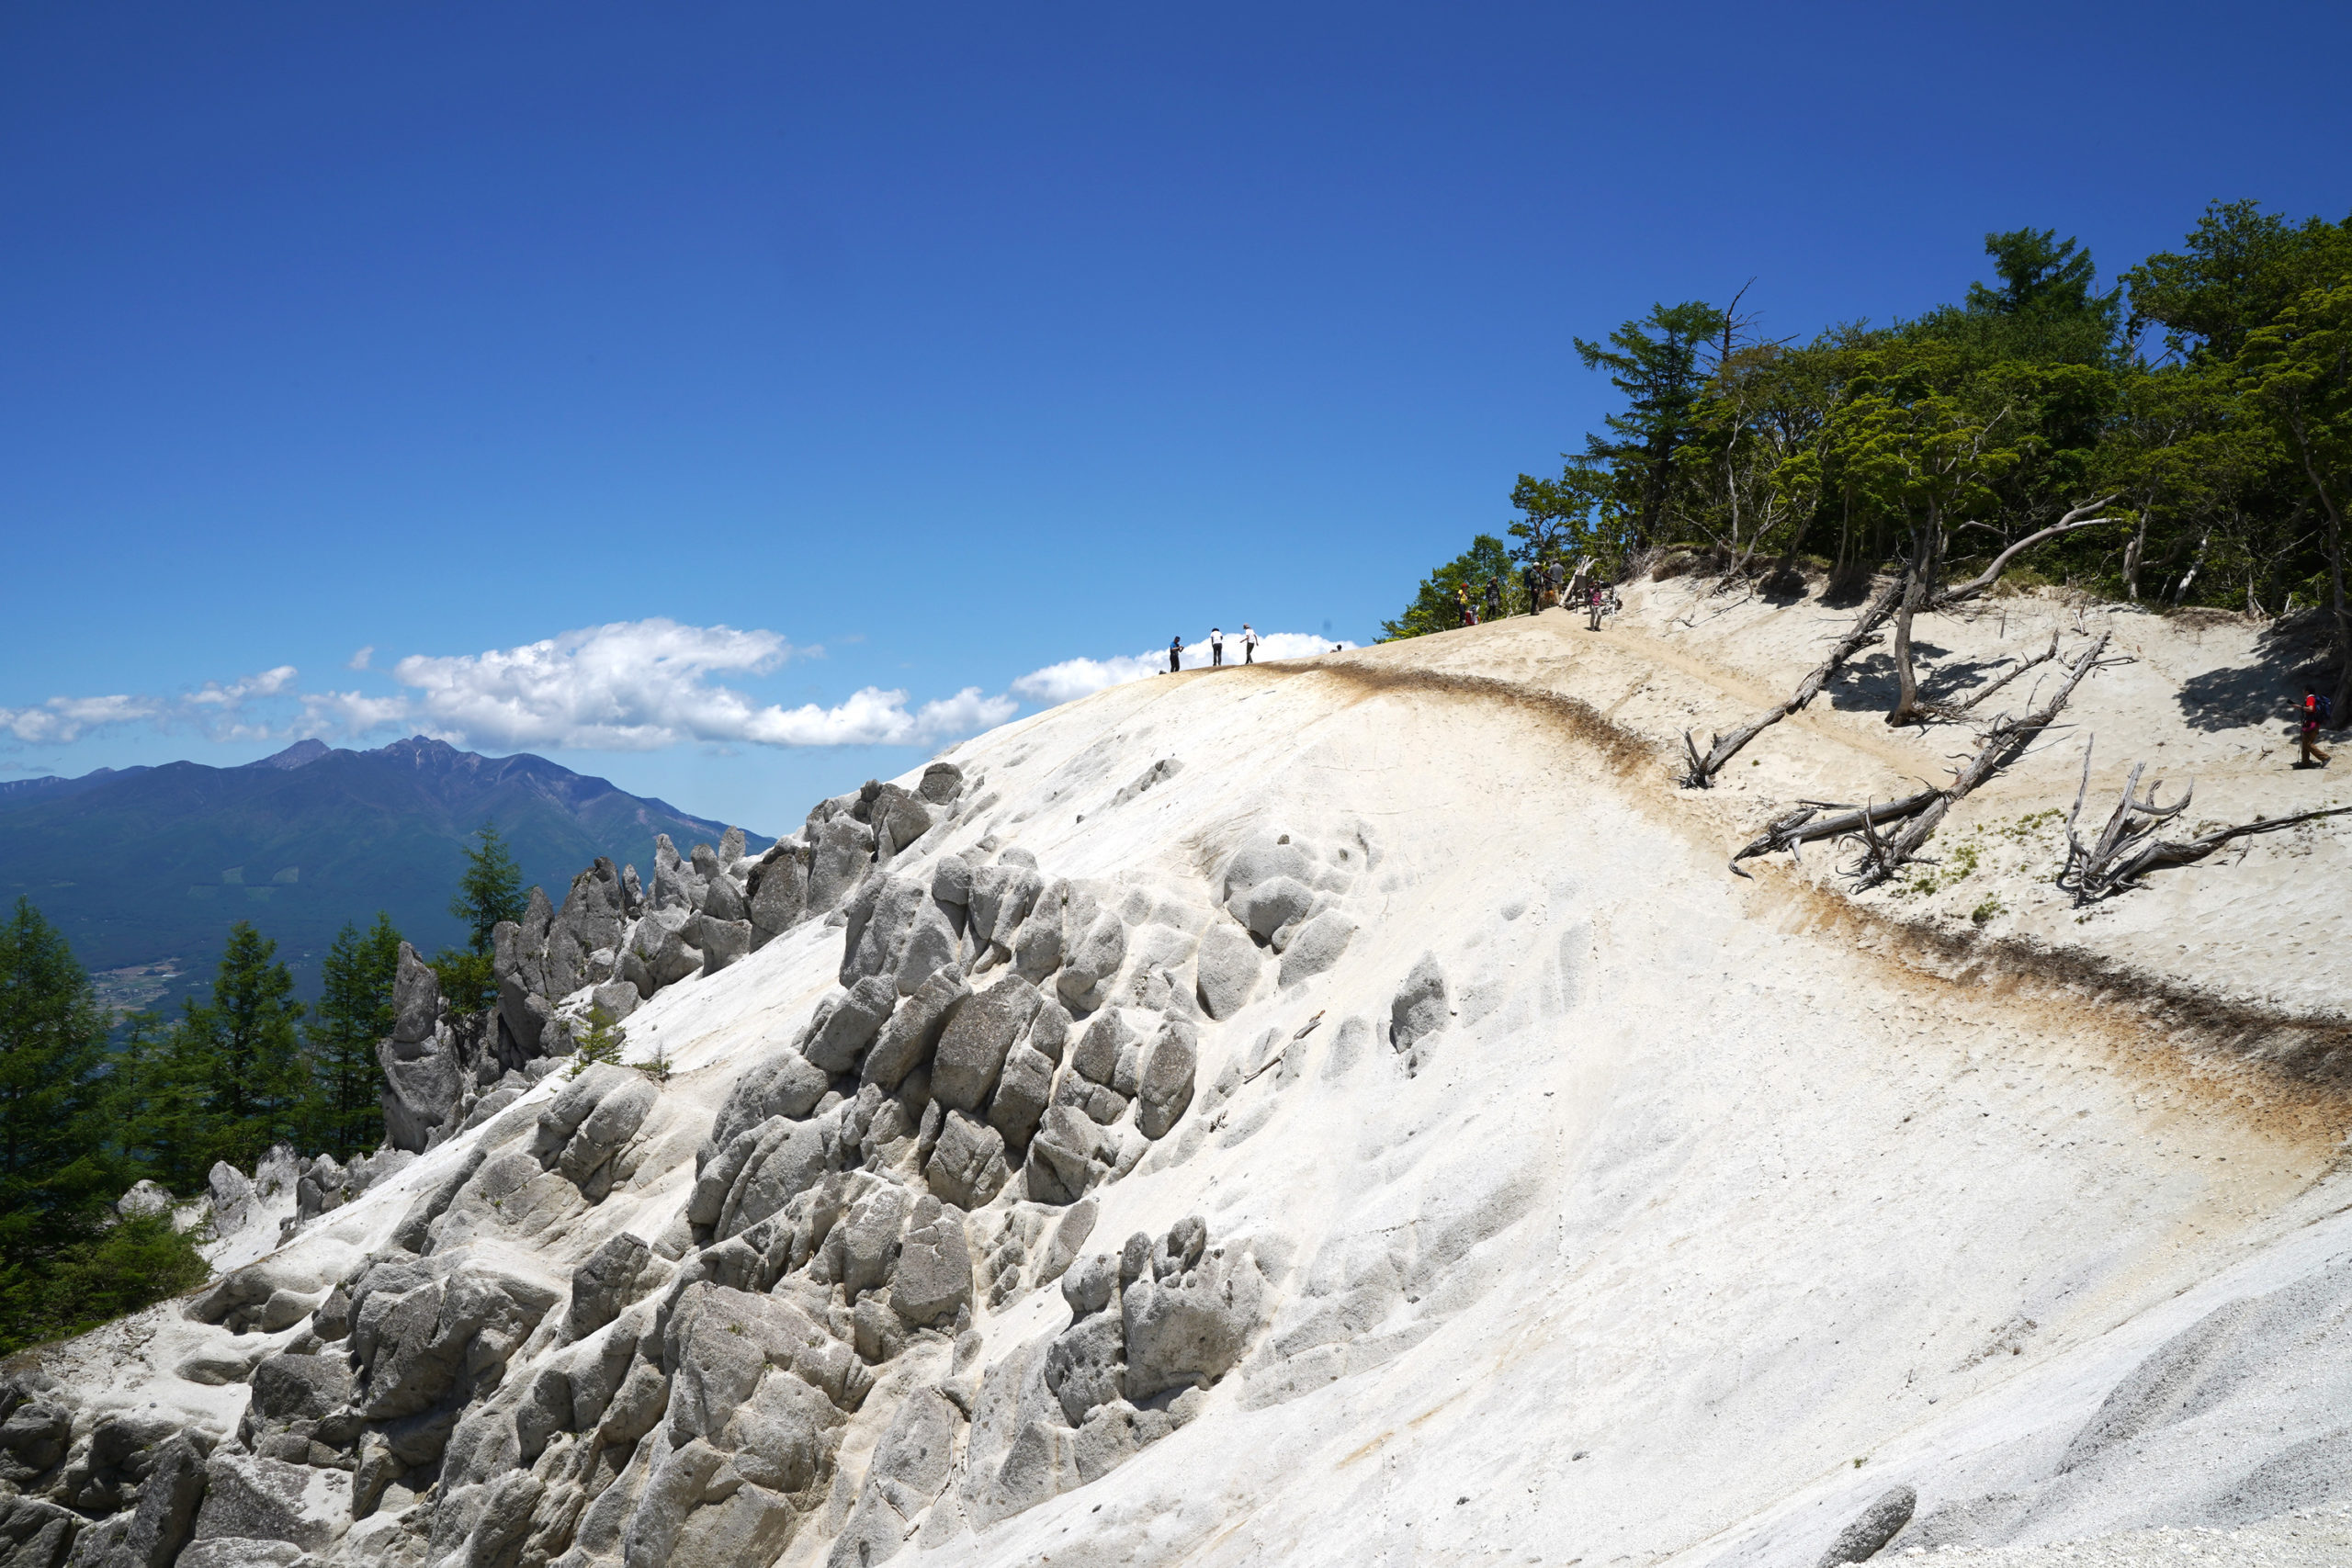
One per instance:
(921, 348)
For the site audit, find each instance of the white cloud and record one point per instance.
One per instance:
(234, 695)
(360, 660)
(215, 709)
(1074, 678)
(625, 686)
(63, 720)
(638, 686)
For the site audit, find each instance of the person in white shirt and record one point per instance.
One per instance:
(1249, 644)
(1216, 649)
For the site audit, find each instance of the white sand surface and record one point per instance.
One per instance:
(1718, 1207)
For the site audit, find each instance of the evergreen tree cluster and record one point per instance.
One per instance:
(242, 1070)
(2205, 394)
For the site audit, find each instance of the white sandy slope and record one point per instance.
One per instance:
(1720, 1207)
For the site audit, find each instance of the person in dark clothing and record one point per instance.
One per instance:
(1527, 579)
(1175, 654)
(1494, 598)
(2315, 712)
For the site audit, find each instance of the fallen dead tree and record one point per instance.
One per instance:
(1884, 855)
(1722, 749)
(1806, 824)
(2128, 848)
(1912, 592)
(2005, 739)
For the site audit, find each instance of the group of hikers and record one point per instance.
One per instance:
(1548, 584)
(1249, 641)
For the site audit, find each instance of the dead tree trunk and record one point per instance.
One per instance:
(1722, 749)
(1926, 549)
(2004, 739)
(1917, 582)
(1805, 825)
(2091, 869)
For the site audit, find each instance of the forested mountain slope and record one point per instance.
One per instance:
(155, 864)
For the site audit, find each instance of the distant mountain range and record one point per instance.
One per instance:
(145, 869)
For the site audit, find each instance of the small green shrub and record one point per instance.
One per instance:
(603, 1041)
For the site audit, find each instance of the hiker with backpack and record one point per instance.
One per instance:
(2315, 711)
(1494, 598)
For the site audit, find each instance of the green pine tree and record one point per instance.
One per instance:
(65, 1264)
(58, 1167)
(603, 1042)
(230, 1079)
(490, 891)
(354, 1012)
(1436, 607)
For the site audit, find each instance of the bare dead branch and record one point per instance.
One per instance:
(2128, 848)
(1722, 749)
(2091, 869)
(1805, 824)
(2074, 522)
(1995, 683)
(2003, 742)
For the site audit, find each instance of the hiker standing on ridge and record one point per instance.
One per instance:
(1527, 580)
(1494, 598)
(1249, 644)
(1462, 602)
(1175, 654)
(1216, 649)
(2315, 711)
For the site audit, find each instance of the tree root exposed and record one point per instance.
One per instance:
(2127, 849)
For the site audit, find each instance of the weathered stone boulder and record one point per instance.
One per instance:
(425, 1329)
(942, 783)
(972, 1048)
(787, 1083)
(1271, 905)
(777, 891)
(1093, 958)
(1418, 1011)
(422, 1073)
(1316, 946)
(232, 1199)
(1022, 1090)
(933, 1280)
(1226, 970)
(603, 1285)
(911, 1466)
(967, 1166)
(1878, 1524)
(842, 857)
(1002, 895)
(911, 1037)
(845, 1023)
(251, 1499)
(900, 817)
(1165, 1088)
